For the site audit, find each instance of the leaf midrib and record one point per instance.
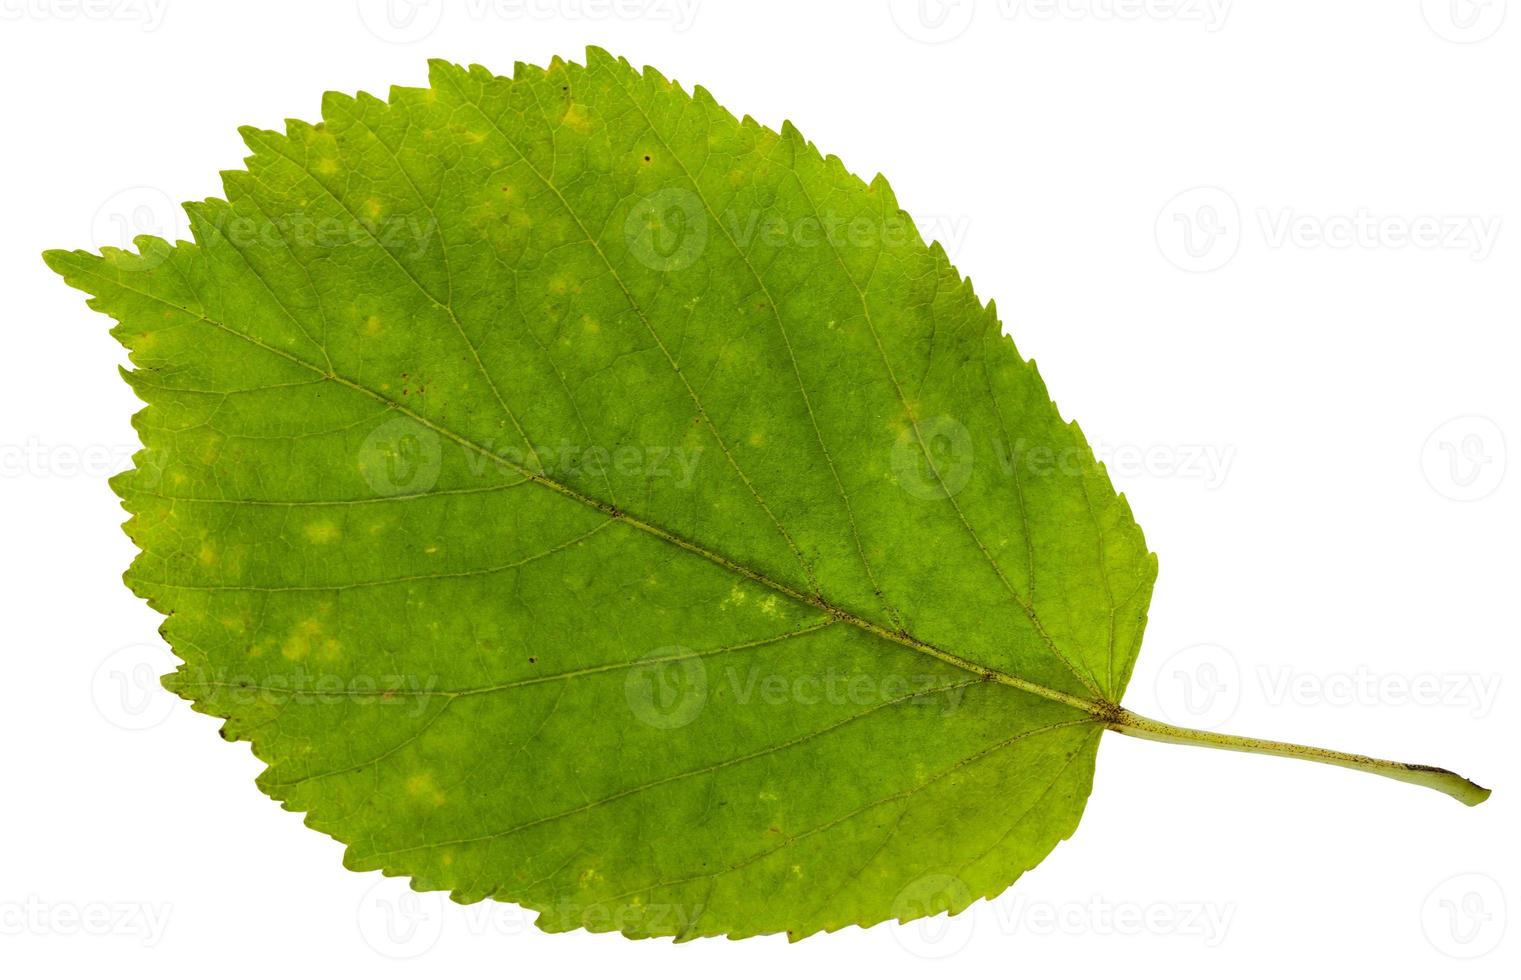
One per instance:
(1098, 709)
(1027, 607)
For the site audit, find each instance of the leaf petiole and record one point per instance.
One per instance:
(1463, 790)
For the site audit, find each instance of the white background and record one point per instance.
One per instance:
(1270, 364)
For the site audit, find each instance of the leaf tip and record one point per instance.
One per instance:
(57, 259)
(596, 54)
(442, 70)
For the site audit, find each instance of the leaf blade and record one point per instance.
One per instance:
(849, 560)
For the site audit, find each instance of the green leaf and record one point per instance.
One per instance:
(583, 498)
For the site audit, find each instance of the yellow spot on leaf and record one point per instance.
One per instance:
(421, 785)
(299, 644)
(322, 532)
(576, 118)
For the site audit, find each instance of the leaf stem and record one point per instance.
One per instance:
(1463, 790)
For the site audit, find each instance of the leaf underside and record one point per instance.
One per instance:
(586, 499)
